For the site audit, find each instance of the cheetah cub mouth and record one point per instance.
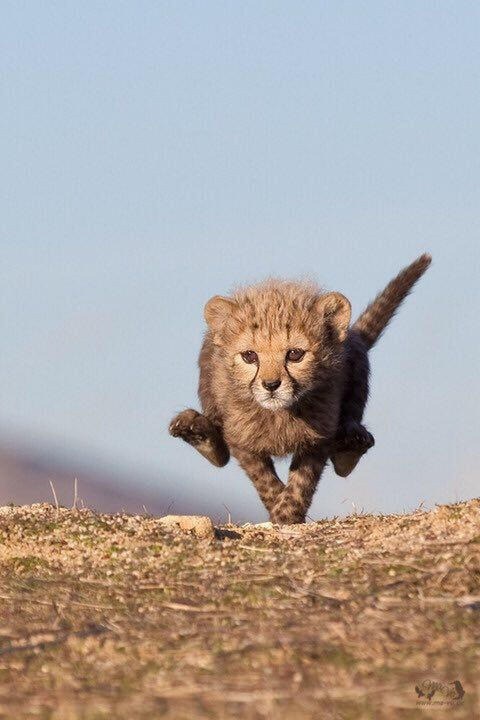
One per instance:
(276, 400)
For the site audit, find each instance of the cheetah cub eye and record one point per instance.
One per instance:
(295, 355)
(249, 356)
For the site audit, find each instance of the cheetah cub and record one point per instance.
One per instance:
(283, 372)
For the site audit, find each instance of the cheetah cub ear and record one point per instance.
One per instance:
(335, 309)
(217, 311)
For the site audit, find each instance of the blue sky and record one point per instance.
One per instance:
(157, 153)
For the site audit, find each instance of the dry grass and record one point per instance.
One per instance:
(119, 617)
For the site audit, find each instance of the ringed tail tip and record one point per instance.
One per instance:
(373, 321)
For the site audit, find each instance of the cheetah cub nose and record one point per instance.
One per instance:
(271, 384)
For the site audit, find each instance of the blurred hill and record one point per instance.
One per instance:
(25, 475)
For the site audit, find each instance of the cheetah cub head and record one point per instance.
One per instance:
(278, 340)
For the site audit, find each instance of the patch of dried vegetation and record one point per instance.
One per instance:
(129, 617)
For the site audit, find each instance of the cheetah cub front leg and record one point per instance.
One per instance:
(352, 441)
(202, 434)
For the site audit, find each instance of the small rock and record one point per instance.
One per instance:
(200, 524)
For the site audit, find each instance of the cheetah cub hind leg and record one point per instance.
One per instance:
(352, 441)
(202, 434)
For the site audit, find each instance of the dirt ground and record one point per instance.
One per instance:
(121, 617)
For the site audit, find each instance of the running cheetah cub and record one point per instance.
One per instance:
(282, 372)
